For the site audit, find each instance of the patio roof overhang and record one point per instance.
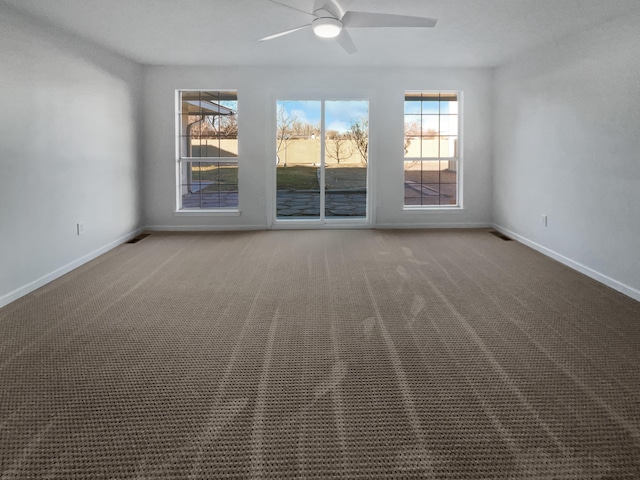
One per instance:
(205, 107)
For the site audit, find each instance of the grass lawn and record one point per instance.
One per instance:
(295, 177)
(225, 174)
(298, 177)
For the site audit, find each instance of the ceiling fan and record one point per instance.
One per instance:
(331, 21)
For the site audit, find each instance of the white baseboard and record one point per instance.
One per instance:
(202, 228)
(589, 272)
(418, 226)
(285, 226)
(49, 277)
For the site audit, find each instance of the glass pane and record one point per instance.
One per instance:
(298, 159)
(412, 125)
(228, 128)
(448, 194)
(203, 146)
(430, 124)
(448, 147)
(194, 173)
(449, 183)
(346, 191)
(208, 124)
(298, 191)
(228, 98)
(431, 194)
(412, 103)
(431, 103)
(412, 133)
(191, 103)
(209, 185)
(448, 125)
(430, 172)
(416, 191)
(429, 148)
(346, 155)
(449, 171)
(430, 183)
(412, 147)
(429, 166)
(412, 174)
(448, 103)
(228, 147)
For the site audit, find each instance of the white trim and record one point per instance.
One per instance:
(275, 223)
(420, 226)
(589, 272)
(323, 164)
(57, 273)
(207, 213)
(430, 208)
(292, 225)
(202, 228)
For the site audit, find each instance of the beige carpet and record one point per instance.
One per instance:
(321, 354)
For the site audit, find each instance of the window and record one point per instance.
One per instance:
(207, 150)
(322, 158)
(431, 149)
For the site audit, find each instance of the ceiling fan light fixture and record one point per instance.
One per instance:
(326, 27)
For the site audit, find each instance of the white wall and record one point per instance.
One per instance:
(69, 152)
(258, 89)
(567, 144)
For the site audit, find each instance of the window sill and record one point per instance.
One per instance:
(429, 208)
(208, 213)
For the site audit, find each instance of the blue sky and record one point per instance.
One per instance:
(339, 114)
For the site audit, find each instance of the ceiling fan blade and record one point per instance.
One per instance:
(282, 34)
(368, 19)
(345, 41)
(292, 8)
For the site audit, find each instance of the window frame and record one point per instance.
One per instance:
(182, 160)
(458, 152)
(322, 220)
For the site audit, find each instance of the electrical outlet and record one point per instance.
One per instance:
(80, 228)
(543, 220)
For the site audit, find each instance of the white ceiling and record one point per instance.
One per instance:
(470, 33)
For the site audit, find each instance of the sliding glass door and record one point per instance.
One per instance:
(321, 161)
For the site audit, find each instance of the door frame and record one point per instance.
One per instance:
(271, 181)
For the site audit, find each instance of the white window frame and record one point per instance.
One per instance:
(321, 221)
(181, 161)
(458, 158)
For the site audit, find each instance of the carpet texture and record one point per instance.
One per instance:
(356, 354)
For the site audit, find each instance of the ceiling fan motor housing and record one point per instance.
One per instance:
(326, 27)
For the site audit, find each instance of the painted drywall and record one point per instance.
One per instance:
(567, 145)
(69, 152)
(259, 88)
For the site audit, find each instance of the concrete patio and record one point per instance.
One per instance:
(290, 204)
